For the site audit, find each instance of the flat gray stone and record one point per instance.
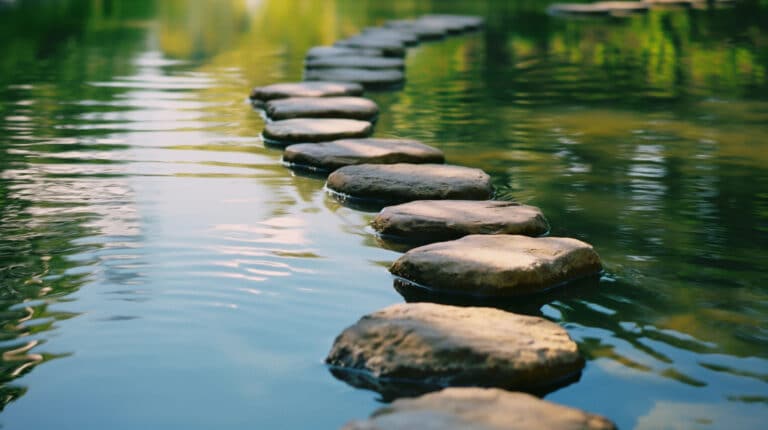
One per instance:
(440, 345)
(299, 130)
(338, 51)
(405, 37)
(496, 265)
(365, 77)
(305, 89)
(598, 8)
(404, 182)
(329, 156)
(423, 30)
(465, 22)
(322, 107)
(355, 62)
(479, 409)
(388, 47)
(427, 221)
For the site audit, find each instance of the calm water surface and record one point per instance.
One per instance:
(159, 268)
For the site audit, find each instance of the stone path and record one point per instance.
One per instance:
(479, 248)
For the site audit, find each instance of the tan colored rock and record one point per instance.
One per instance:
(479, 409)
(298, 130)
(322, 107)
(403, 182)
(329, 156)
(438, 345)
(381, 78)
(497, 265)
(305, 89)
(428, 221)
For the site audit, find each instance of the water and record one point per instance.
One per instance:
(160, 268)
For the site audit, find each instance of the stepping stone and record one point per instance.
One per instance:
(405, 37)
(388, 47)
(496, 265)
(419, 347)
(329, 156)
(289, 131)
(400, 183)
(479, 409)
(466, 22)
(260, 95)
(599, 8)
(424, 30)
(322, 107)
(355, 62)
(338, 51)
(427, 221)
(368, 78)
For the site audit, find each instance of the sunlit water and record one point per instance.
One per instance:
(159, 268)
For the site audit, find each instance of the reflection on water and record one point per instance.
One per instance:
(158, 259)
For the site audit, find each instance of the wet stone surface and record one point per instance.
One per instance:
(497, 265)
(322, 107)
(329, 156)
(427, 221)
(423, 30)
(387, 46)
(419, 347)
(260, 95)
(406, 37)
(355, 62)
(598, 8)
(404, 182)
(338, 51)
(388, 78)
(299, 130)
(479, 409)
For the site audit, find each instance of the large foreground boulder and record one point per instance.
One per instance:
(399, 183)
(427, 221)
(261, 95)
(322, 107)
(297, 130)
(433, 346)
(497, 265)
(329, 156)
(479, 409)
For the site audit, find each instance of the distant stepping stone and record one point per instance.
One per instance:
(377, 184)
(260, 95)
(496, 265)
(355, 62)
(424, 30)
(338, 51)
(368, 78)
(427, 221)
(329, 156)
(452, 23)
(481, 409)
(405, 37)
(322, 107)
(420, 347)
(598, 8)
(289, 131)
(388, 47)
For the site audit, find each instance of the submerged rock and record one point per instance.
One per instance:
(356, 62)
(304, 89)
(497, 265)
(322, 107)
(314, 130)
(479, 409)
(403, 182)
(427, 221)
(329, 156)
(381, 78)
(431, 346)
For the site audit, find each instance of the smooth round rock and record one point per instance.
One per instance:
(365, 77)
(439, 345)
(356, 62)
(338, 51)
(322, 107)
(299, 130)
(497, 265)
(305, 89)
(387, 46)
(329, 156)
(479, 409)
(427, 221)
(404, 182)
